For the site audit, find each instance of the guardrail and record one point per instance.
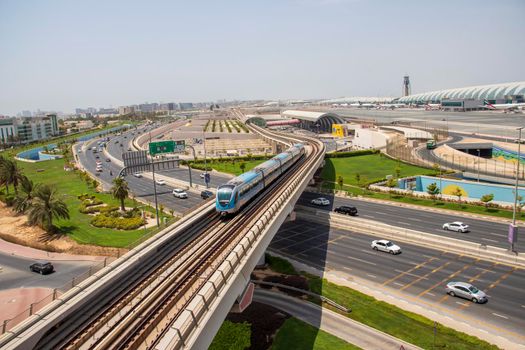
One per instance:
(429, 240)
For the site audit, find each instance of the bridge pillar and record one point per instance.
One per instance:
(245, 299)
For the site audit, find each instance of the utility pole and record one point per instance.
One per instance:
(513, 229)
(154, 187)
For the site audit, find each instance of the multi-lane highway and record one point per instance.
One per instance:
(143, 187)
(481, 231)
(418, 274)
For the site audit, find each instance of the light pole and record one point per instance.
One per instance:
(478, 161)
(513, 229)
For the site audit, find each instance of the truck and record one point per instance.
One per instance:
(431, 144)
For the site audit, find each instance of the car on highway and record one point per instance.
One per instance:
(202, 175)
(467, 291)
(456, 226)
(108, 160)
(320, 201)
(206, 194)
(137, 175)
(129, 149)
(386, 246)
(346, 209)
(179, 193)
(160, 182)
(42, 267)
(99, 169)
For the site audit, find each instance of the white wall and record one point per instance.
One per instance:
(369, 138)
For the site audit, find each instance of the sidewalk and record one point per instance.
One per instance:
(32, 253)
(329, 321)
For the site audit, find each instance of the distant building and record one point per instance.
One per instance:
(171, 106)
(185, 105)
(36, 128)
(122, 110)
(7, 130)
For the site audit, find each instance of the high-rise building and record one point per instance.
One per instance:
(406, 86)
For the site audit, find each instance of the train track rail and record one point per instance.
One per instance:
(138, 316)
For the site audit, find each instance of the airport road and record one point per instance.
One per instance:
(143, 187)
(15, 272)
(417, 275)
(481, 231)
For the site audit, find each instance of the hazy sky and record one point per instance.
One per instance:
(58, 55)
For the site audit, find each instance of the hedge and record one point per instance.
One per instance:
(102, 220)
(351, 154)
(100, 209)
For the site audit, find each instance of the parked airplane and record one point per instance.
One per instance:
(502, 106)
(359, 104)
(432, 106)
(391, 105)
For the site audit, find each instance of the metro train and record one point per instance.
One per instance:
(233, 195)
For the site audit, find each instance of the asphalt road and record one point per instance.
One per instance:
(15, 273)
(481, 231)
(143, 187)
(418, 274)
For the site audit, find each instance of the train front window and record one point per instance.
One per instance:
(224, 194)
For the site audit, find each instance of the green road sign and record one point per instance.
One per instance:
(166, 147)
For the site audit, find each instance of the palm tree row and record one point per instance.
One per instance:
(39, 201)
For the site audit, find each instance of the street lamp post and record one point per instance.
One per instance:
(478, 161)
(513, 229)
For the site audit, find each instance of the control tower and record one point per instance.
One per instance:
(406, 86)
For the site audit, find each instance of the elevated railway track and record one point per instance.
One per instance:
(166, 288)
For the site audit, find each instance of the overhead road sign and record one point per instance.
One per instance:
(169, 146)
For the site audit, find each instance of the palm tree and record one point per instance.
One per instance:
(45, 207)
(120, 191)
(10, 174)
(24, 200)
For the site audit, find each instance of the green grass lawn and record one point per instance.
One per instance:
(232, 168)
(369, 167)
(69, 185)
(232, 336)
(298, 335)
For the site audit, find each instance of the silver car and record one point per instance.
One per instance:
(386, 246)
(456, 226)
(320, 201)
(467, 291)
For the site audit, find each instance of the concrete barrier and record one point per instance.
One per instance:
(458, 246)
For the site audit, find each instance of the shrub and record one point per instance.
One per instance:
(351, 154)
(119, 223)
(9, 199)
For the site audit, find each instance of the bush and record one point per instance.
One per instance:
(351, 154)
(119, 223)
(102, 209)
(9, 199)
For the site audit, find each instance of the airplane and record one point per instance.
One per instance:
(359, 104)
(502, 106)
(391, 105)
(432, 106)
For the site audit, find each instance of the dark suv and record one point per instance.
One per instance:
(42, 267)
(345, 209)
(206, 194)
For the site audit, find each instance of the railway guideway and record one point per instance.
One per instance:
(206, 296)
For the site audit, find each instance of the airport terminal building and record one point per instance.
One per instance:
(470, 98)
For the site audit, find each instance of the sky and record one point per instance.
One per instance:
(60, 55)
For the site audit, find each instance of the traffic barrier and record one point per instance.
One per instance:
(472, 249)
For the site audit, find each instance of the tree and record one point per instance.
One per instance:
(340, 181)
(45, 207)
(398, 171)
(486, 198)
(24, 199)
(458, 192)
(433, 190)
(358, 178)
(242, 166)
(10, 174)
(391, 183)
(120, 191)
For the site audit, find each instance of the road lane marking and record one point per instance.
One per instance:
(399, 284)
(412, 219)
(404, 223)
(489, 240)
(431, 294)
(498, 315)
(408, 272)
(361, 260)
(369, 275)
(368, 216)
(449, 277)
(461, 303)
(483, 271)
(428, 274)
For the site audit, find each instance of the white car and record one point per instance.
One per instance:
(456, 226)
(180, 193)
(386, 246)
(137, 175)
(160, 182)
(320, 201)
(202, 175)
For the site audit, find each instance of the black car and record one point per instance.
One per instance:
(42, 267)
(345, 209)
(108, 160)
(206, 194)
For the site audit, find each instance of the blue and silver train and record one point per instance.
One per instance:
(233, 195)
